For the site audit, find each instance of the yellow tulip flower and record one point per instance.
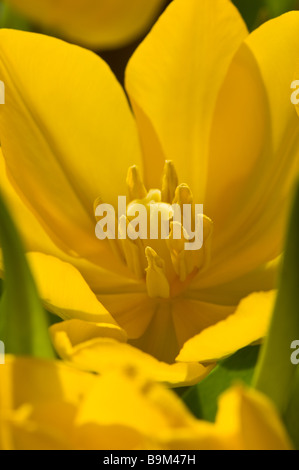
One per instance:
(211, 101)
(96, 23)
(48, 405)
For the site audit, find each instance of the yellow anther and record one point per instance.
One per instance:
(156, 281)
(184, 199)
(169, 182)
(203, 256)
(136, 188)
(183, 195)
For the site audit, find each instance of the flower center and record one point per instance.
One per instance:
(164, 238)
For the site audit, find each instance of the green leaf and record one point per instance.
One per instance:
(202, 399)
(256, 12)
(276, 375)
(250, 11)
(9, 18)
(276, 8)
(291, 415)
(23, 321)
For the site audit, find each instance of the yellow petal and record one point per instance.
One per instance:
(46, 426)
(128, 406)
(264, 278)
(176, 321)
(101, 348)
(71, 333)
(239, 135)
(173, 80)
(256, 190)
(246, 325)
(48, 405)
(92, 436)
(37, 402)
(160, 337)
(34, 236)
(249, 421)
(119, 416)
(66, 112)
(102, 23)
(36, 239)
(156, 280)
(64, 291)
(280, 34)
(38, 378)
(191, 317)
(133, 311)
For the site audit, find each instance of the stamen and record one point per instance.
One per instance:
(133, 250)
(181, 259)
(186, 262)
(156, 281)
(136, 188)
(167, 222)
(183, 195)
(203, 256)
(169, 182)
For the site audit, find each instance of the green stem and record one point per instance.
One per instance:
(275, 374)
(23, 321)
